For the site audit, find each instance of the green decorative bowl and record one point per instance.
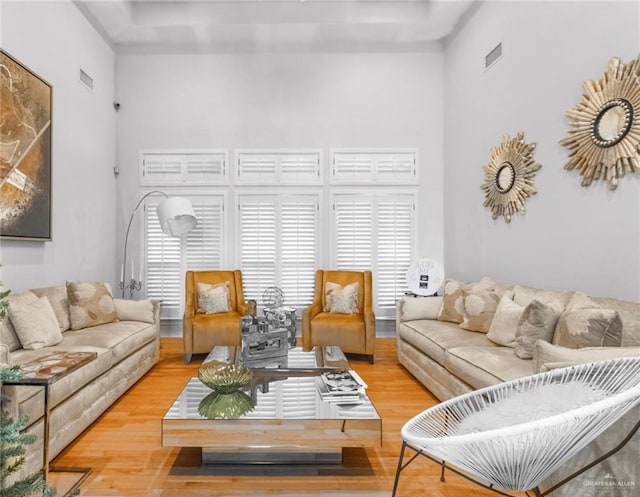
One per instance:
(225, 378)
(225, 405)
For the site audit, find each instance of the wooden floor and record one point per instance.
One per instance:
(123, 447)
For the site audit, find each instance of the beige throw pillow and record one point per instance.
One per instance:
(8, 334)
(134, 310)
(538, 322)
(90, 304)
(413, 308)
(57, 296)
(580, 300)
(35, 323)
(452, 308)
(547, 356)
(213, 299)
(479, 309)
(524, 295)
(589, 328)
(341, 300)
(504, 325)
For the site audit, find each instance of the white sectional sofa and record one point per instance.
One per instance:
(450, 360)
(126, 347)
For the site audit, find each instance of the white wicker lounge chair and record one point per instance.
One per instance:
(513, 435)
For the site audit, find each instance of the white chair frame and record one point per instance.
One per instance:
(519, 457)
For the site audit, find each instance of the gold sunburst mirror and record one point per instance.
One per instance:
(604, 134)
(509, 177)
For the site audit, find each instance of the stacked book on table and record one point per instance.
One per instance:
(341, 387)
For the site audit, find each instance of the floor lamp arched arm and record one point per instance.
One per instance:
(131, 284)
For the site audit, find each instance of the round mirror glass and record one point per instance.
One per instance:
(612, 123)
(505, 177)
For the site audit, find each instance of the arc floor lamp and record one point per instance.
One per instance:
(176, 218)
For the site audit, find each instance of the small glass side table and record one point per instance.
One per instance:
(43, 372)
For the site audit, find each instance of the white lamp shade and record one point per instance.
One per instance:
(176, 216)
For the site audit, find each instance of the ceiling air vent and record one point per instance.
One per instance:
(493, 56)
(86, 80)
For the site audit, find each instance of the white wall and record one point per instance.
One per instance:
(54, 40)
(571, 237)
(312, 100)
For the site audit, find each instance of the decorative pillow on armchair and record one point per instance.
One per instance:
(339, 299)
(90, 304)
(213, 299)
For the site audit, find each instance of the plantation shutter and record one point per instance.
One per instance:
(257, 244)
(278, 167)
(376, 232)
(257, 168)
(187, 168)
(278, 245)
(381, 168)
(299, 242)
(353, 232)
(204, 243)
(394, 244)
(163, 278)
(168, 258)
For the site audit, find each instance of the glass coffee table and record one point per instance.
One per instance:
(287, 421)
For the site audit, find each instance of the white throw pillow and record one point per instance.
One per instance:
(547, 356)
(413, 308)
(134, 310)
(35, 323)
(59, 301)
(213, 299)
(504, 324)
(341, 300)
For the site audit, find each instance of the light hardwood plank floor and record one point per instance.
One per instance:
(123, 446)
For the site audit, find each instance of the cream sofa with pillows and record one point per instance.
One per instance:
(76, 317)
(484, 333)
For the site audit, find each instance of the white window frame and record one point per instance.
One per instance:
(279, 175)
(221, 198)
(282, 197)
(184, 177)
(378, 194)
(370, 169)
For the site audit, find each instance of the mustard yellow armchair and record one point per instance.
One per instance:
(201, 331)
(353, 333)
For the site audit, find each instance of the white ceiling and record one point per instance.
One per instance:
(152, 26)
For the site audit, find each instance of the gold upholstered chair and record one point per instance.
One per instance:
(327, 322)
(201, 331)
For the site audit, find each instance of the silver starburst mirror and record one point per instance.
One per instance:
(509, 177)
(604, 134)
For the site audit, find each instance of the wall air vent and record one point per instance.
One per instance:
(493, 56)
(86, 80)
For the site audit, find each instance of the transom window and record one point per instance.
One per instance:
(278, 235)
